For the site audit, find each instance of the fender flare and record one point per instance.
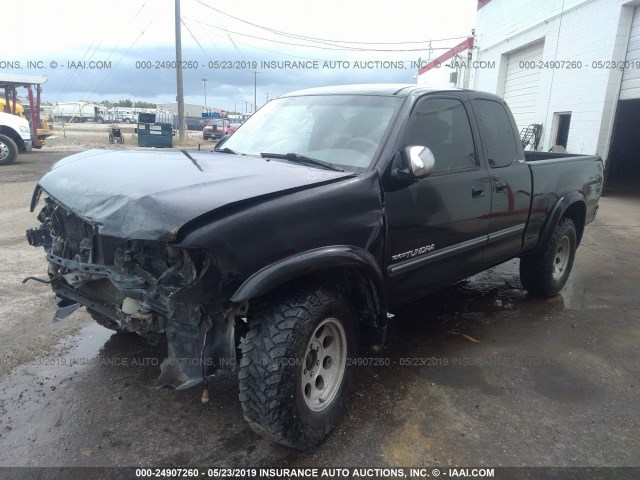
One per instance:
(305, 263)
(555, 215)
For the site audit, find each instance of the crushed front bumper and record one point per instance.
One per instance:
(140, 286)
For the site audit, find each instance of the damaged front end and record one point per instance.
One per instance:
(140, 286)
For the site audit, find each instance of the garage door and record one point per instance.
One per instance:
(630, 87)
(521, 84)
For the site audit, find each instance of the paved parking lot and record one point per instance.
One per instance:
(477, 375)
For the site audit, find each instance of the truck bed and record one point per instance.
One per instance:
(554, 179)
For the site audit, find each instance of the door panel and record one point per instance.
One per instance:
(510, 178)
(509, 212)
(437, 226)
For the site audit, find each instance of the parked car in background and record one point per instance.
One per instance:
(216, 128)
(232, 128)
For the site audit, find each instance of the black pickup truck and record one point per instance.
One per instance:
(280, 255)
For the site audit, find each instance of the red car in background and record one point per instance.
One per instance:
(217, 128)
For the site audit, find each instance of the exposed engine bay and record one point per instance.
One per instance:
(134, 286)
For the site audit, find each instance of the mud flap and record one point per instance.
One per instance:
(196, 350)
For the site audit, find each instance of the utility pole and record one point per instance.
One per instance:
(255, 101)
(267, 94)
(180, 95)
(204, 86)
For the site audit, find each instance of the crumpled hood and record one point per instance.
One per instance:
(147, 195)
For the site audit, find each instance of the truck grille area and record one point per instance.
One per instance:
(143, 286)
(76, 234)
(130, 282)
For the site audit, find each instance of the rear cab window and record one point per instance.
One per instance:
(497, 133)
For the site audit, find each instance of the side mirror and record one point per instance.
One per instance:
(418, 161)
(421, 160)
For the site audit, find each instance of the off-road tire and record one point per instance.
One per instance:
(545, 274)
(274, 357)
(8, 150)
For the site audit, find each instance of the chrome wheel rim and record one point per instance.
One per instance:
(561, 258)
(4, 151)
(324, 364)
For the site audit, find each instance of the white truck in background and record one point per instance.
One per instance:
(15, 136)
(117, 114)
(77, 112)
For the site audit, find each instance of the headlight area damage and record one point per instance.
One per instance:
(136, 286)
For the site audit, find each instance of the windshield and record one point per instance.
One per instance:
(216, 123)
(344, 130)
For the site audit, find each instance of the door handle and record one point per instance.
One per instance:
(501, 186)
(477, 191)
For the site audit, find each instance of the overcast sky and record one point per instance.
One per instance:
(133, 35)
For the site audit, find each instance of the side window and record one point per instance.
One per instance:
(442, 125)
(498, 136)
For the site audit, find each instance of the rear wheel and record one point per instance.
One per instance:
(8, 150)
(295, 374)
(546, 273)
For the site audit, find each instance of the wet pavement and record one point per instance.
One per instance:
(479, 374)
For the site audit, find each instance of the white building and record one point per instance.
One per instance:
(570, 66)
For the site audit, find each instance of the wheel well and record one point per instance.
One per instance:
(357, 286)
(577, 212)
(13, 135)
(360, 289)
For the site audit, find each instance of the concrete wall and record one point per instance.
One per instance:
(572, 30)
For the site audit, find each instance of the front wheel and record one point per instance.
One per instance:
(546, 273)
(295, 373)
